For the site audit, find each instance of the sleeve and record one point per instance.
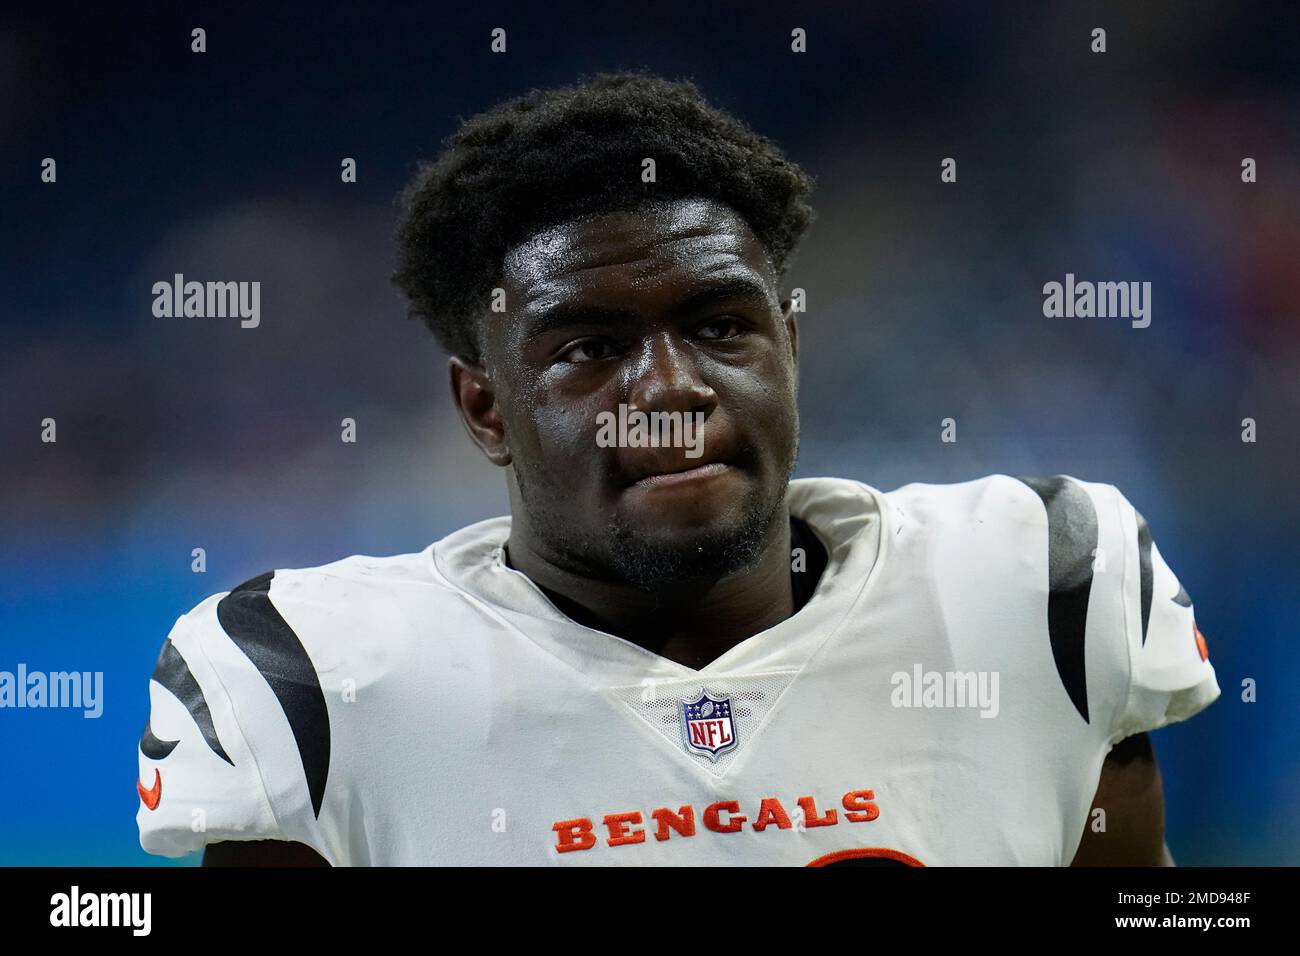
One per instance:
(1170, 675)
(200, 780)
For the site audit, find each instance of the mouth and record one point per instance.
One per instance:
(669, 479)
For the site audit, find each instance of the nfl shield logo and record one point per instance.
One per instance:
(707, 725)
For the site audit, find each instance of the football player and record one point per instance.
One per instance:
(663, 657)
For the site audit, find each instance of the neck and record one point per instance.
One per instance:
(691, 624)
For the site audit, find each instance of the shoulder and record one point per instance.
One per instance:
(357, 576)
(1052, 551)
(242, 728)
(1120, 625)
(286, 631)
(290, 622)
(316, 611)
(1007, 499)
(1076, 541)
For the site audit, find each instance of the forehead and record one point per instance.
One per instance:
(643, 253)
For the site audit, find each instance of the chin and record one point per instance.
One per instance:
(675, 553)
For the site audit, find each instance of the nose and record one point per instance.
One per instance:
(666, 379)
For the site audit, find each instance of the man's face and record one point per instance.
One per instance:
(670, 308)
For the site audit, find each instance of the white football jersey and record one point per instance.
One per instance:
(946, 697)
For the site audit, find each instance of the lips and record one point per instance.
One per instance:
(721, 451)
(669, 478)
(668, 466)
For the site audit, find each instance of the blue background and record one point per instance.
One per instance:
(925, 302)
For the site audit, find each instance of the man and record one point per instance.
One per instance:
(670, 653)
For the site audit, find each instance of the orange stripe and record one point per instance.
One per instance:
(876, 851)
(153, 794)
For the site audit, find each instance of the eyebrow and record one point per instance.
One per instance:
(734, 287)
(571, 314)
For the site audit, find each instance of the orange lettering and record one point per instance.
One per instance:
(683, 821)
(771, 812)
(574, 835)
(711, 817)
(810, 819)
(859, 807)
(619, 834)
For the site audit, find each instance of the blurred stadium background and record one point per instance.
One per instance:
(924, 302)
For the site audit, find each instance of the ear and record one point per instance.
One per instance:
(475, 398)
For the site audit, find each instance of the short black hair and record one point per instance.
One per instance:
(553, 155)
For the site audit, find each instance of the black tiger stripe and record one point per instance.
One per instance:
(1144, 571)
(153, 746)
(256, 627)
(173, 673)
(1071, 544)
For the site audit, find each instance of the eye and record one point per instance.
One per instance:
(724, 327)
(587, 350)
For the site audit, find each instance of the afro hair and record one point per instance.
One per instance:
(553, 155)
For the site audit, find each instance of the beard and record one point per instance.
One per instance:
(647, 562)
(707, 556)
